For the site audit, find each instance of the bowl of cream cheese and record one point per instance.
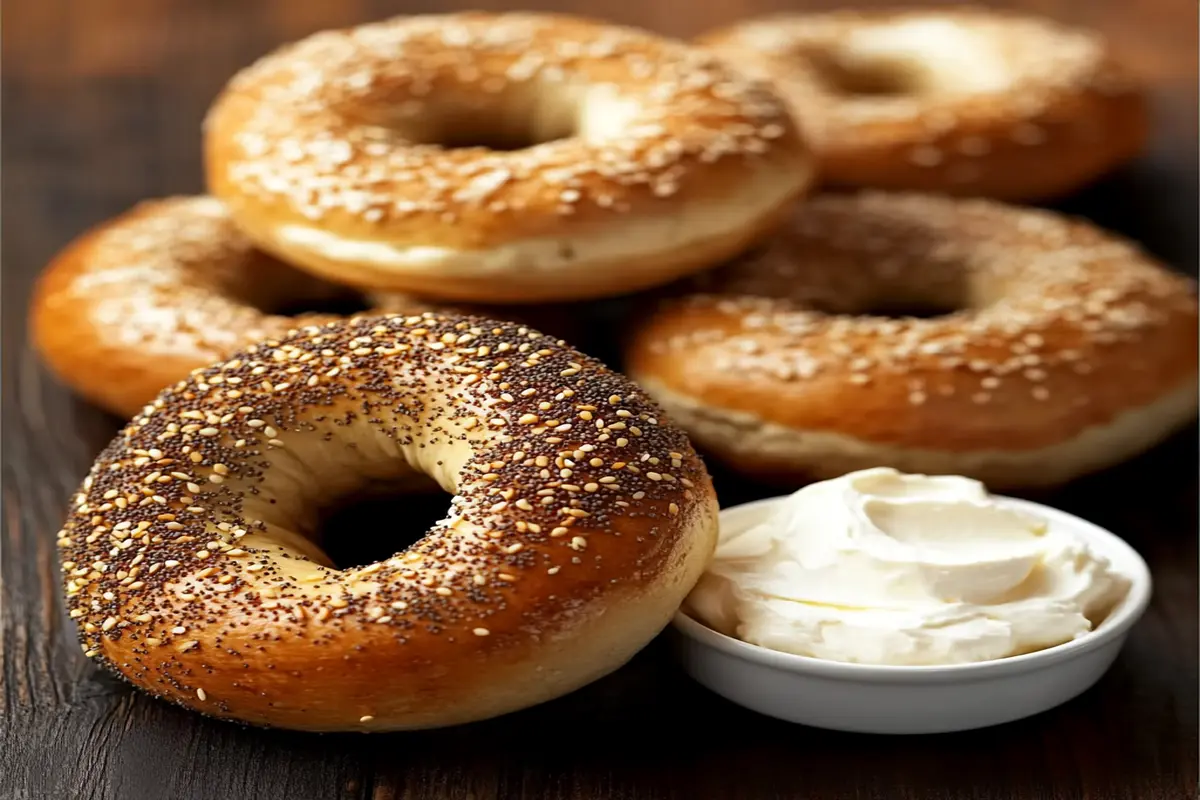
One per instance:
(885, 602)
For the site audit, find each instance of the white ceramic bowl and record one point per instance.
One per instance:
(887, 699)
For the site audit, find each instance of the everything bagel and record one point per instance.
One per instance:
(578, 523)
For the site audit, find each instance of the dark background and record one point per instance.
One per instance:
(102, 104)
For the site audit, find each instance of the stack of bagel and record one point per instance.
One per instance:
(408, 221)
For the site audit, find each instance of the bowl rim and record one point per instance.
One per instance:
(1113, 629)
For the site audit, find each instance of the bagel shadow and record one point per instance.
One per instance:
(1145, 202)
(93, 424)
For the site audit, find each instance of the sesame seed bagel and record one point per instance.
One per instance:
(138, 302)
(621, 160)
(1058, 349)
(579, 522)
(965, 101)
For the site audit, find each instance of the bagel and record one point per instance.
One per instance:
(963, 102)
(510, 158)
(1054, 348)
(579, 522)
(136, 303)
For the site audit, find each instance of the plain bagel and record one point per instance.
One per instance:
(963, 101)
(579, 522)
(510, 158)
(1055, 349)
(138, 302)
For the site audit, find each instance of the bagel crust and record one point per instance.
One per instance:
(138, 302)
(970, 101)
(1060, 349)
(356, 154)
(579, 522)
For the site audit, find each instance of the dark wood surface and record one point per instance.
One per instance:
(102, 102)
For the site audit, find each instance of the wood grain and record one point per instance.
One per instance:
(103, 103)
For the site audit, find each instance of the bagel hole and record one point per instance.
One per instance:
(907, 308)
(891, 303)
(507, 122)
(843, 76)
(920, 56)
(375, 526)
(494, 139)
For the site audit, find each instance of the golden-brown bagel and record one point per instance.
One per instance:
(136, 303)
(964, 101)
(621, 160)
(578, 524)
(1062, 349)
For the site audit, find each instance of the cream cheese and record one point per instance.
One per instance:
(881, 567)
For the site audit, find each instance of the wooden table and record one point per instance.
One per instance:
(102, 108)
